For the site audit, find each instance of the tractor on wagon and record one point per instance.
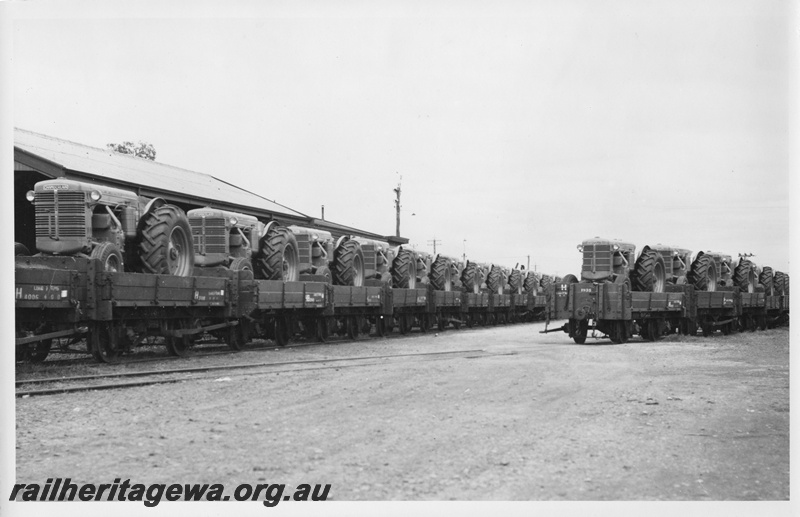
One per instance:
(445, 273)
(289, 252)
(612, 262)
(228, 239)
(123, 230)
(711, 271)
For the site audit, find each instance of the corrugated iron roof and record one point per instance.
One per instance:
(127, 169)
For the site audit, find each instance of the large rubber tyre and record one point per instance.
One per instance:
(326, 272)
(744, 277)
(496, 280)
(20, 250)
(703, 273)
(348, 264)
(404, 270)
(278, 257)
(165, 242)
(109, 255)
(649, 273)
(516, 281)
(241, 264)
(780, 283)
(531, 284)
(441, 274)
(569, 279)
(766, 278)
(471, 278)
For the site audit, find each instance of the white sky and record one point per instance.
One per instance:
(522, 128)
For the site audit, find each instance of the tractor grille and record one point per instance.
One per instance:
(60, 214)
(667, 256)
(208, 234)
(370, 260)
(304, 248)
(597, 257)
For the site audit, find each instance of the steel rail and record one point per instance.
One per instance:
(243, 366)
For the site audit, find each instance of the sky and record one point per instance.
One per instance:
(516, 130)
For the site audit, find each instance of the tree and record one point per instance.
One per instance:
(142, 149)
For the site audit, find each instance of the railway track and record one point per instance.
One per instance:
(214, 348)
(57, 385)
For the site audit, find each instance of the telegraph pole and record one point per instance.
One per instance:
(397, 205)
(434, 242)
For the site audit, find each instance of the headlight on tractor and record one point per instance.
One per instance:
(233, 221)
(95, 195)
(30, 196)
(616, 247)
(580, 248)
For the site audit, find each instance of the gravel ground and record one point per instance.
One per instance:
(681, 419)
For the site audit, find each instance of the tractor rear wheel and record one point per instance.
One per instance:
(516, 281)
(649, 273)
(496, 280)
(766, 278)
(471, 278)
(531, 284)
(780, 282)
(404, 270)
(278, 256)
(165, 242)
(109, 255)
(744, 277)
(703, 273)
(348, 264)
(441, 274)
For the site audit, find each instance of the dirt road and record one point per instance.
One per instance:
(536, 418)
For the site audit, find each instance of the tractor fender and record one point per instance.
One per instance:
(340, 240)
(153, 204)
(267, 228)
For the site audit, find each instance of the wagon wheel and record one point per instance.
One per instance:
(352, 327)
(380, 326)
(619, 334)
(34, 352)
(365, 325)
(177, 345)
(762, 322)
(402, 323)
(104, 342)
(441, 322)
(457, 323)
(323, 329)
(580, 329)
(470, 320)
(237, 336)
(281, 333)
